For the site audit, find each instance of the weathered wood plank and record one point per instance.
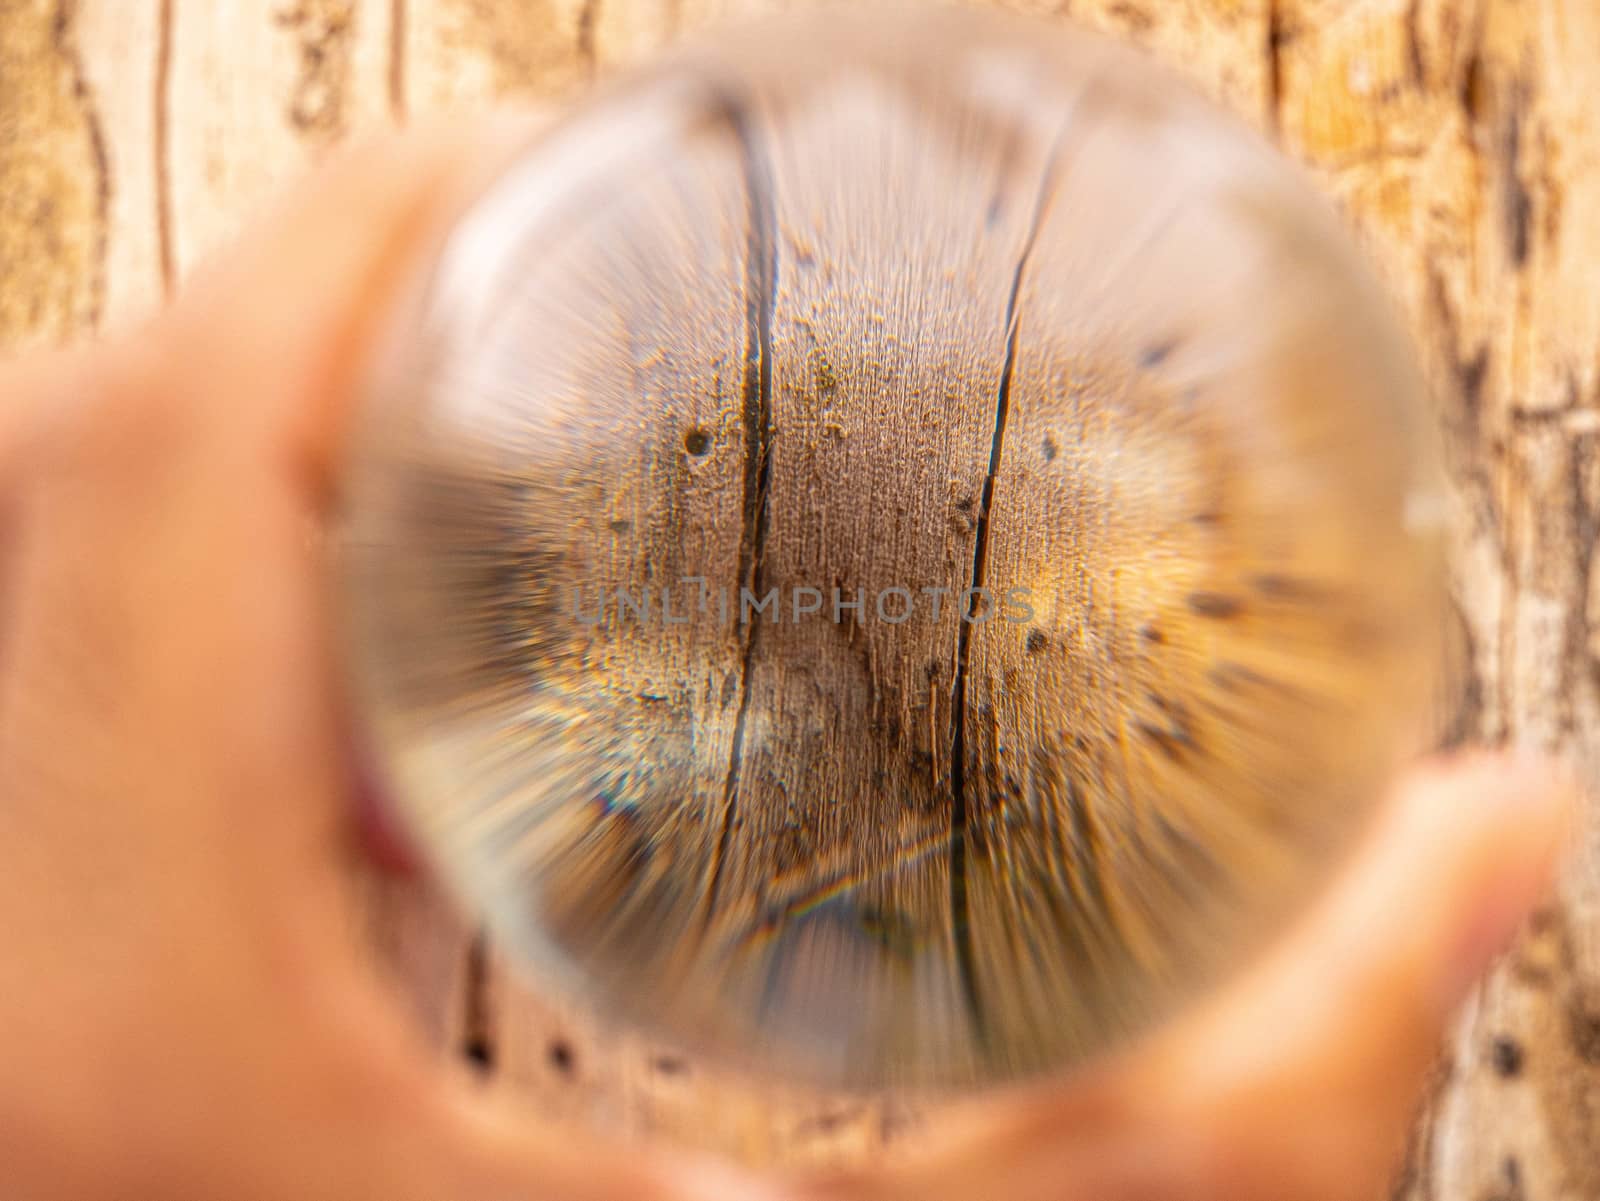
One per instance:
(254, 90)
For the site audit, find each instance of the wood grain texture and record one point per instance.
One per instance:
(1457, 135)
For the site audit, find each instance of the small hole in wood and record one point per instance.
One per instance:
(1506, 1055)
(559, 1053)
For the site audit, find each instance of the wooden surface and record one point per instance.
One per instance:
(136, 134)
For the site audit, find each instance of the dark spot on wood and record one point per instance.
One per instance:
(1036, 641)
(669, 1065)
(826, 1122)
(1534, 975)
(1546, 920)
(1158, 353)
(1511, 1190)
(1519, 204)
(890, 929)
(560, 1057)
(1207, 517)
(1234, 677)
(323, 35)
(1171, 741)
(1215, 605)
(1051, 450)
(1506, 1056)
(996, 209)
(1473, 90)
(1286, 588)
(1470, 375)
(1583, 1026)
(621, 526)
(585, 33)
(892, 1123)
(697, 442)
(966, 503)
(1414, 59)
(478, 1053)
(1135, 17)
(1152, 634)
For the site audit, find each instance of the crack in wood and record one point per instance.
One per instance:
(761, 273)
(65, 44)
(1413, 30)
(959, 808)
(398, 23)
(1518, 202)
(479, 1039)
(1277, 35)
(161, 146)
(1577, 660)
(588, 16)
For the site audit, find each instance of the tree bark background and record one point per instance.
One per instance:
(135, 135)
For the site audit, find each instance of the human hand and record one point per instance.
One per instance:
(182, 1012)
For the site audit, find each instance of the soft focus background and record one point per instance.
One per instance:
(1459, 137)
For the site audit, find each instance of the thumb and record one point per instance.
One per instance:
(1303, 1080)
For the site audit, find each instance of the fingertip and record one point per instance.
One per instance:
(1320, 1054)
(1513, 816)
(704, 1178)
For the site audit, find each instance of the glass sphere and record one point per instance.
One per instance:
(892, 550)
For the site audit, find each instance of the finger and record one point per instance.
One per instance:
(31, 390)
(29, 387)
(167, 602)
(174, 773)
(1308, 1075)
(303, 299)
(496, 1151)
(1300, 1080)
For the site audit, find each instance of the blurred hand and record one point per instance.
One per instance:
(182, 1011)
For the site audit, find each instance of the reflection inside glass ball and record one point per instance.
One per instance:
(891, 553)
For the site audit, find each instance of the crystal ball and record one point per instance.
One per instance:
(891, 551)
